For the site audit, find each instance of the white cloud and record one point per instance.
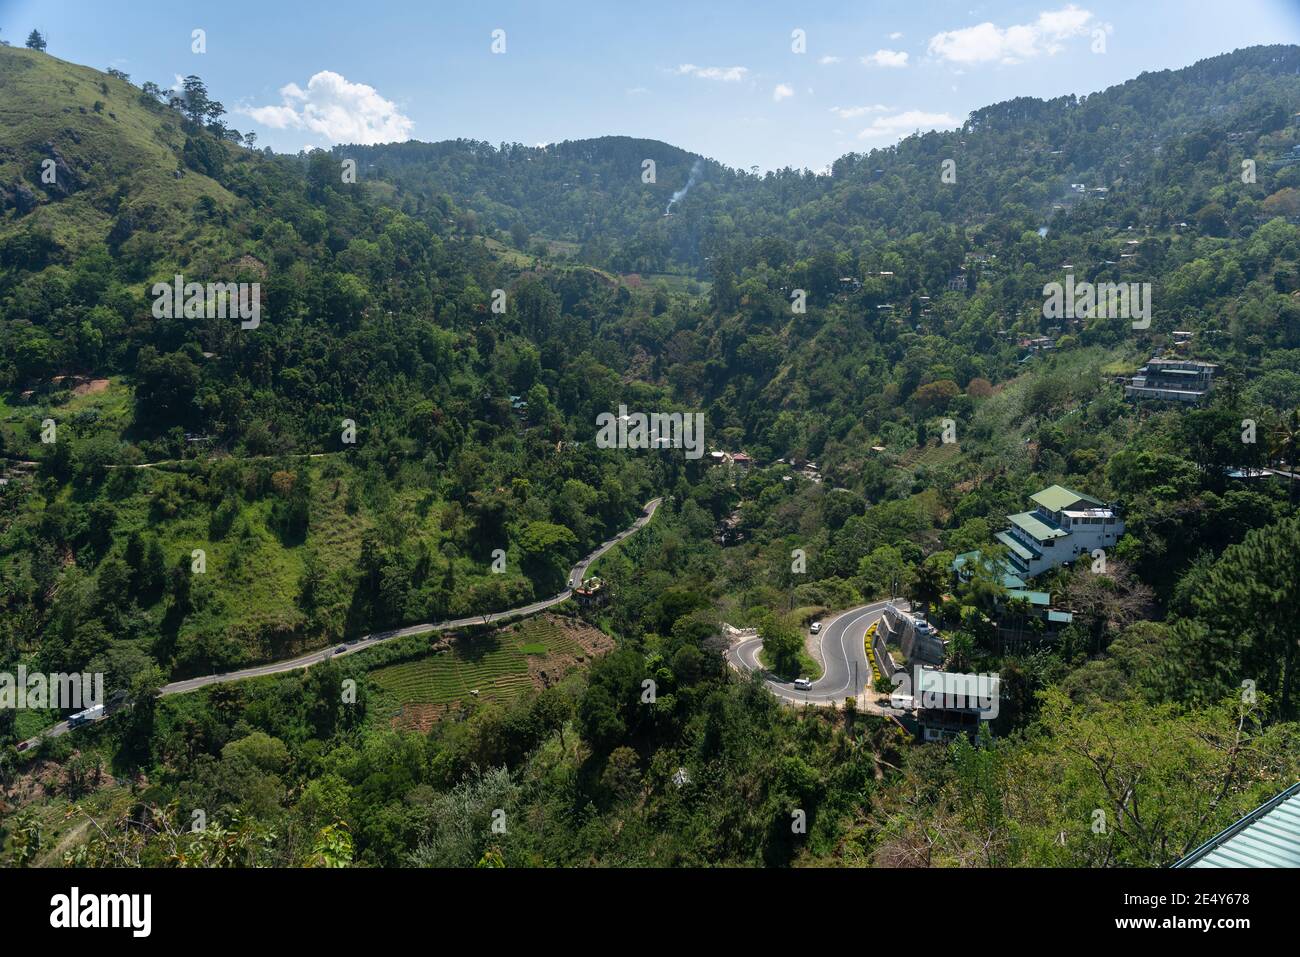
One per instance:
(781, 92)
(340, 111)
(893, 58)
(827, 60)
(727, 74)
(853, 112)
(276, 117)
(988, 43)
(901, 124)
(637, 91)
(895, 36)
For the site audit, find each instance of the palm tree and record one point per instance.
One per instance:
(1285, 437)
(1018, 610)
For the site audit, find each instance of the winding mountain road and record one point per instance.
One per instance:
(576, 575)
(847, 671)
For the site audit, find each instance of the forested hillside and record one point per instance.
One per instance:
(356, 461)
(1163, 145)
(176, 434)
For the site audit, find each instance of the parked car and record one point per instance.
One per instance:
(802, 684)
(816, 627)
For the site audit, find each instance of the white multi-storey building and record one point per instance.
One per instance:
(1172, 380)
(1063, 525)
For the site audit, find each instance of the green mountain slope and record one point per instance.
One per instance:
(474, 433)
(191, 432)
(1015, 163)
(119, 165)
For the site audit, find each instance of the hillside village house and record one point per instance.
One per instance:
(1172, 380)
(1063, 525)
(592, 593)
(737, 460)
(948, 704)
(943, 704)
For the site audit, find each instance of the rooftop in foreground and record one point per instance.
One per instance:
(1268, 836)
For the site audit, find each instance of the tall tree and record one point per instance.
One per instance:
(781, 646)
(1250, 602)
(1285, 439)
(194, 102)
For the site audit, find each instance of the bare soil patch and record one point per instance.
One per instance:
(91, 387)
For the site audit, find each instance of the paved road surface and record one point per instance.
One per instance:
(847, 671)
(576, 576)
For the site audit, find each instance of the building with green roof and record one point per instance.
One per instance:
(1056, 498)
(1063, 525)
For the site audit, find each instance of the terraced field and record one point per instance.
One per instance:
(932, 456)
(498, 667)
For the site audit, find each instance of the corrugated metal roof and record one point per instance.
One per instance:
(1016, 546)
(1040, 598)
(1036, 527)
(955, 685)
(1057, 498)
(1268, 836)
(1008, 577)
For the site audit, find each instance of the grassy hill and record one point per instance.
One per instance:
(118, 157)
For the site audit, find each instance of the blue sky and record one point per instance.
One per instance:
(718, 78)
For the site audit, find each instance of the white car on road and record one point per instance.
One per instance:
(802, 684)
